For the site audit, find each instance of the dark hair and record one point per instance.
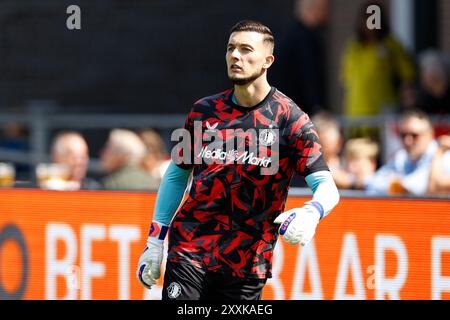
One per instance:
(255, 26)
(361, 23)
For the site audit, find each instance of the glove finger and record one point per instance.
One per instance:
(141, 275)
(292, 239)
(286, 225)
(149, 280)
(308, 235)
(293, 235)
(154, 271)
(282, 217)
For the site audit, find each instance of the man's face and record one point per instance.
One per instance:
(313, 13)
(331, 142)
(434, 82)
(361, 167)
(416, 135)
(75, 157)
(247, 57)
(110, 159)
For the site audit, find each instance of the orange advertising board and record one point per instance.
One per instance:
(85, 245)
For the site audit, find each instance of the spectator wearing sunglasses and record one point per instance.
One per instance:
(408, 171)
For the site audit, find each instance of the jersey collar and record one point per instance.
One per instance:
(231, 101)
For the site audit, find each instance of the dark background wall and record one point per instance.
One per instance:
(137, 56)
(444, 25)
(152, 56)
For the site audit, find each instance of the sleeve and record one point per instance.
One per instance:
(302, 137)
(170, 193)
(183, 152)
(324, 191)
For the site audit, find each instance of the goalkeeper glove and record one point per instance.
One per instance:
(150, 261)
(299, 224)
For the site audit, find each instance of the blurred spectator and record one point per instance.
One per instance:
(439, 182)
(434, 89)
(15, 138)
(121, 158)
(409, 170)
(300, 70)
(331, 139)
(156, 159)
(7, 175)
(360, 157)
(70, 149)
(374, 68)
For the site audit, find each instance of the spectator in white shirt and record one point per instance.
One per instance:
(409, 170)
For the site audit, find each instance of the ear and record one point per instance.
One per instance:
(269, 60)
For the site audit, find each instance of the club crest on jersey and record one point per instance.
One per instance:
(173, 290)
(267, 137)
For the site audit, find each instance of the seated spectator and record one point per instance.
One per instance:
(156, 159)
(121, 158)
(71, 150)
(360, 157)
(331, 139)
(434, 89)
(439, 183)
(409, 170)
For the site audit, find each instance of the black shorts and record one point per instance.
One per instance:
(183, 281)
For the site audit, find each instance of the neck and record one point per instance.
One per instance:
(251, 94)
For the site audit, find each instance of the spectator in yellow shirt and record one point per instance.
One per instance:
(374, 67)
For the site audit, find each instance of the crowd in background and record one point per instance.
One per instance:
(378, 76)
(420, 167)
(129, 160)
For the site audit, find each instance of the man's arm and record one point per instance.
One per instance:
(170, 195)
(439, 181)
(299, 225)
(325, 192)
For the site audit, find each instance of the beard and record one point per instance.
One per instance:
(244, 81)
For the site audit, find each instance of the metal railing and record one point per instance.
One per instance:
(41, 123)
(41, 120)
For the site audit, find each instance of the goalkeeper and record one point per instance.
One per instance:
(222, 238)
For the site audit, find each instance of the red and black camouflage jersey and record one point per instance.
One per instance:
(226, 223)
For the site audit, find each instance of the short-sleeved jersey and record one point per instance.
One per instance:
(226, 223)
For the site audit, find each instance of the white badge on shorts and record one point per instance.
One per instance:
(174, 290)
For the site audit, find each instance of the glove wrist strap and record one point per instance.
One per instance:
(158, 230)
(316, 206)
